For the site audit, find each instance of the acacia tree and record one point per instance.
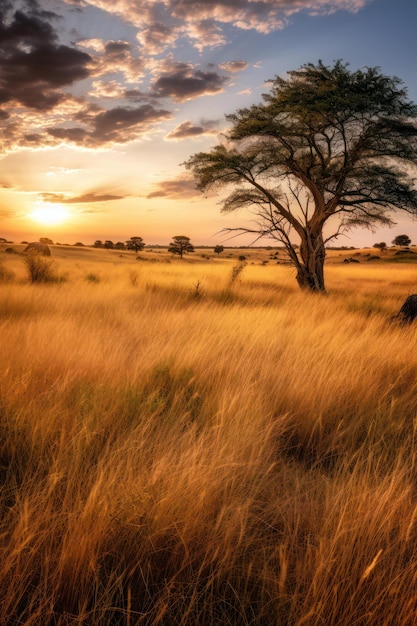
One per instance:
(180, 245)
(135, 243)
(402, 240)
(327, 147)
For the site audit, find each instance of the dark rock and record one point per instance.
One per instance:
(408, 311)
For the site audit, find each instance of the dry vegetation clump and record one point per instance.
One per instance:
(167, 459)
(40, 268)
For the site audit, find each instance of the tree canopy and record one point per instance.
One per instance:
(402, 240)
(135, 243)
(180, 245)
(327, 147)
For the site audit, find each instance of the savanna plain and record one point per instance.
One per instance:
(197, 442)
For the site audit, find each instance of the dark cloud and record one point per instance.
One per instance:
(117, 49)
(135, 95)
(187, 129)
(111, 124)
(177, 188)
(35, 67)
(117, 125)
(90, 196)
(181, 81)
(32, 138)
(74, 134)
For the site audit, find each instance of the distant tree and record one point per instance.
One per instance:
(79, 244)
(218, 249)
(98, 243)
(180, 245)
(120, 245)
(135, 243)
(108, 244)
(401, 240)
(326, 146)
(46, 240)
(381, 245)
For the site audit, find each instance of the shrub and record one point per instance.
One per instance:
(40, 269)
(92, 278)
(236, 272)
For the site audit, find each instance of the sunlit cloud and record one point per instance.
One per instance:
(182, 187)
(187, 129)
(234, 66)
(208, 18)
(91, 196)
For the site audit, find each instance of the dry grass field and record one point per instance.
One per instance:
(182, 448)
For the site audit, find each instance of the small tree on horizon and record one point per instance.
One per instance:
(218, 249)
(135, 243)
(327, 148)
(180, 245)
(401, 240)
(381, 245)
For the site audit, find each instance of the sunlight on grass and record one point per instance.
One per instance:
(245, 455)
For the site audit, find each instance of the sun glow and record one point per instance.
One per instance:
(50, 214)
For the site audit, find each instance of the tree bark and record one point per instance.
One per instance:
(310, 271)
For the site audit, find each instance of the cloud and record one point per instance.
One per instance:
(97, 92)
(177, 188)
(234, 66)
(88, 197)
(187, 129)
(108, 89)
(157, 37)
(35, 67)
(120, 56)
(203, 22)
(117, 125)
(113, 123)
(205, 33)
(74, 134)
(183, 81)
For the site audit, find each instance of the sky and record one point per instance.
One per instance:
(102, 101)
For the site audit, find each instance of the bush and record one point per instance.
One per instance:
(41, 269)
(92, 278)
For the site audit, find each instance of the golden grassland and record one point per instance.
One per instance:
(181, 449)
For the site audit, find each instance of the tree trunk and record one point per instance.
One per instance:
(310, 270)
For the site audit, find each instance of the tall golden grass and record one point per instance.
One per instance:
(178, 449)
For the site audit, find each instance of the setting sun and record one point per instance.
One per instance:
(50, 214)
